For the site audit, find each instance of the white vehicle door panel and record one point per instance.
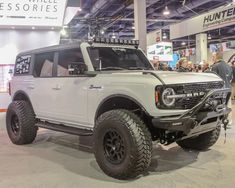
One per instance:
(71, 100)
(43, 97)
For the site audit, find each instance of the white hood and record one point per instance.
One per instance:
(181, 77)
(176, 77)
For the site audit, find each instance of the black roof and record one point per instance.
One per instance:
(52, 48)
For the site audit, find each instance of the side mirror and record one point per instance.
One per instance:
(77, 68)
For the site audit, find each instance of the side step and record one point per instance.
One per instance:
(65, 129)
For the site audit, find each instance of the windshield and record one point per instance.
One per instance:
(116, 58)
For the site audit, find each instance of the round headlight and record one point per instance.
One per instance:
(166, 99)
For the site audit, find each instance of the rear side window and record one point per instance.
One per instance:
(22, 65)
(44, 64)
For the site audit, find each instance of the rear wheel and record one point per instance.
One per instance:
(201, 142)
(122, 144)
(20, 122)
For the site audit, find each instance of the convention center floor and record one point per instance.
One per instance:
(62, 160)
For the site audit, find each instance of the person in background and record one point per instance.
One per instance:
(177, 66)
(206, 67)
(195, 68)
(222, 68)
(190, 66)
(164, 66)
(226, 73)
(155, 63)
(233, 81)
(183, 63)
(170, 68)
(199, 69)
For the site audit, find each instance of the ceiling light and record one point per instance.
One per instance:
(183, 43)
(164, 36)
(113, 35)
(101, 31)
(209, 37)
(166, 11)
(63, 32)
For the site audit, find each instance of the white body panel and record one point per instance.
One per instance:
(72, 101)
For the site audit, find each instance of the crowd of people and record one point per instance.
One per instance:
(184, 65)
(226, 70)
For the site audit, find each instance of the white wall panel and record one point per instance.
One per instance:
(14, 41)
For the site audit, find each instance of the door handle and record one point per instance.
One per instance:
(31, 87)
(57, 87)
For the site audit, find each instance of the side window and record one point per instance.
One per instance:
(22, 65)
(44, 64)
(70, 62)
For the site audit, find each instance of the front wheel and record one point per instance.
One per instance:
(122, 144)
(201, 142)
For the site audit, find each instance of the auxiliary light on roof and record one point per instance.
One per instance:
(116, 41)
(209, 37)
(164, 36)
(166, 11)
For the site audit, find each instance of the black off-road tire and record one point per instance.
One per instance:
(201, 142)
(20, 123)
(136, 144)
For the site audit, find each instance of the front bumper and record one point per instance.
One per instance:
(194, 121)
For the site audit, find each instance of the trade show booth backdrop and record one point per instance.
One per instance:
(26, 25)
(15, 41)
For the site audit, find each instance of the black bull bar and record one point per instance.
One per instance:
(194, 121)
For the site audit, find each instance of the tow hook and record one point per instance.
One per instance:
(225, 122)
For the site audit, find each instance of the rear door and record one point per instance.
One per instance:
(43, 86)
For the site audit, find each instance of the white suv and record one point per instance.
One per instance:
(107, 88)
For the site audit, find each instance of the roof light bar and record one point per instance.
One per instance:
(116, 41)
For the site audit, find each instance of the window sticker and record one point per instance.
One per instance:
(22, 65)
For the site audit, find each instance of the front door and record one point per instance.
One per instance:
(71, 89)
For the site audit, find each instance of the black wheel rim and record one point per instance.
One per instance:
(15, 125)
(114, 149)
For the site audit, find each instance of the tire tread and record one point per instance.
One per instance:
(26, 117)
(142, 141)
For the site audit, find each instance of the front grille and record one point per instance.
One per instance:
(202, 86)
(190, 102)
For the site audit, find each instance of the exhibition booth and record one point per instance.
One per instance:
(27, 25)
(198, 29)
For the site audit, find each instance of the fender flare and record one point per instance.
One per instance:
(122, 96)
(22, 93)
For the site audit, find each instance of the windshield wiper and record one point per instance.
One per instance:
(111, 68)
(138, 68)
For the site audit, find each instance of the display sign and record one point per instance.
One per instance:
(186, 52)
(161, 52)
(217, 18)
(32, 12)
(220, 47)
